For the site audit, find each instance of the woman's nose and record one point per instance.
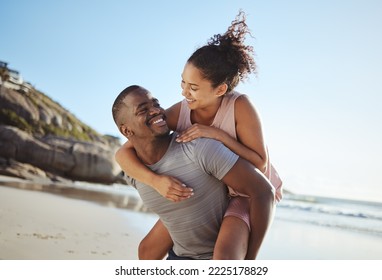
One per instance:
(185, 91)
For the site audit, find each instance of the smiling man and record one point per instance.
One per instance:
(205, 164)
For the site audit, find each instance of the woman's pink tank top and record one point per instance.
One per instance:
(225, 120)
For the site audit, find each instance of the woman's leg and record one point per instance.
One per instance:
(232, 241)
(156, 243)
(253, 246)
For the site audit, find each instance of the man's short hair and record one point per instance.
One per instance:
(119, 104)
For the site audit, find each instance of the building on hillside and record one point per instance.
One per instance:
(12, 79)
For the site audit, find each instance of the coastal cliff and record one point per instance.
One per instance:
(41, 140)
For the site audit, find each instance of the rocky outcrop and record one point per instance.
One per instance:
(40, 139)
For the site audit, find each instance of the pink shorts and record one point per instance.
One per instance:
(239, 207)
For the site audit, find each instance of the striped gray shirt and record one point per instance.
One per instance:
(195, 222)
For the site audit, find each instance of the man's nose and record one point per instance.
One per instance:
(154, 110)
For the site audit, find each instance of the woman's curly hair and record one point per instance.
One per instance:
(225, 58)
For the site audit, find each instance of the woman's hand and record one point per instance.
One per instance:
(172, 189)
(199, 130)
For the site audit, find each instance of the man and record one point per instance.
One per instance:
(205, 164)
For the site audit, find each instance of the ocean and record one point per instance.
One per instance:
(344, 214)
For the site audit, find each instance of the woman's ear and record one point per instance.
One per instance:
(221, 89)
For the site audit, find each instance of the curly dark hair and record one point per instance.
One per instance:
(225, 58)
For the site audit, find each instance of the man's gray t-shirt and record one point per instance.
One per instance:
(195, 222)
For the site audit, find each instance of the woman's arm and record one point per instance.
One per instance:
(172, 116)
(167, 186)
(250, 142)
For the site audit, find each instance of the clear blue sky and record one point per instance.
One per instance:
(318, 89)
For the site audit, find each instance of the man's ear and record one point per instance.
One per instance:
(221, 89)
(125, 131)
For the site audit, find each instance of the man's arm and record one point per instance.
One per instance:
(246, 179)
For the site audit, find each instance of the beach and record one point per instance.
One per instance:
(86, 222)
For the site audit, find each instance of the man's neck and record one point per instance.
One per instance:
(151, 151)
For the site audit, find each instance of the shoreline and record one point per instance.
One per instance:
(62, 225)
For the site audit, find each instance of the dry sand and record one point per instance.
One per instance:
(36, 225)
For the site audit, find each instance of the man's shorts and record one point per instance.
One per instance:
(173, 256)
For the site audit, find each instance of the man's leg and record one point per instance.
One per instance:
(156, 244)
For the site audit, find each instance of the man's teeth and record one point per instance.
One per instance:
(189, 100)
(158, 121)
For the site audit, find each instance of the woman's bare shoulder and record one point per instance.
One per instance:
(172, 115)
